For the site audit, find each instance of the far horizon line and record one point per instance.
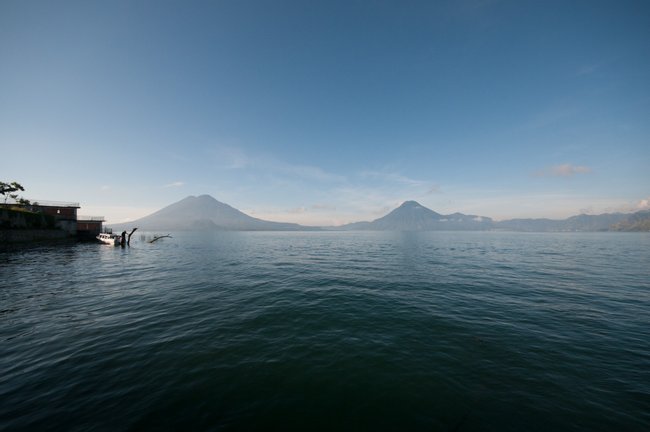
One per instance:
(389, 211)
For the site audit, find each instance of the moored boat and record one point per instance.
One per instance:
(108, 238)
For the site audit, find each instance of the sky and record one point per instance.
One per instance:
(328, 112)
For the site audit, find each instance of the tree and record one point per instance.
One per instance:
(8, 189)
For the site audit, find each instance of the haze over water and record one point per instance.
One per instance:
(441, 331)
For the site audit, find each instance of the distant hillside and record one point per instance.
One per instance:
(412, 216)
(639, 221)
(204, 213)
(583, 222)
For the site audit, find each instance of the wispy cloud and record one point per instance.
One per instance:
(314, 215)
(118, 214)
(628, 206)
(396, 186)
(297, 210)
(568, 170)
(322, 207)
(503, 204)
(261, 164)
(563, 170)
(343, 203)
(229, 157)
(175, 184)
(306, 172)
(366, 195)
(413, 186)
(392, 177)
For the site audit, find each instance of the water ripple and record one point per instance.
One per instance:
(363, 331)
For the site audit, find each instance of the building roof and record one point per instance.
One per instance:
(45, 203)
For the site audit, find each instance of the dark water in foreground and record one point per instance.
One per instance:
(329, 331)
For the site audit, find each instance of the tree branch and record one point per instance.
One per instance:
(159, 237)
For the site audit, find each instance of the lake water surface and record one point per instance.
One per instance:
(435, 331)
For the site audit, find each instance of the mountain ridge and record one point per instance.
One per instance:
(413, 216)
(397, 220)
(204, 212)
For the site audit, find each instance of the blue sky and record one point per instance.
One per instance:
(328, 112)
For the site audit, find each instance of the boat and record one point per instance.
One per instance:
(109, 238)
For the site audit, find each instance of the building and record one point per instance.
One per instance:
(64, 214)
(89, 227)
(46, 220)
(66, 219)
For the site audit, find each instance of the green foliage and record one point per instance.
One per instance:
(8, 191)
(22, 218)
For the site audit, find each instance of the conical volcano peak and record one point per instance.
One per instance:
(413, 216)
(205, 212)
(415, 208)
(204, 197)
(411, 204)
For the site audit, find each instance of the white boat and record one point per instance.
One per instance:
(111, 239)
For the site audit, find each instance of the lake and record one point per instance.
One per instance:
(435, 331)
